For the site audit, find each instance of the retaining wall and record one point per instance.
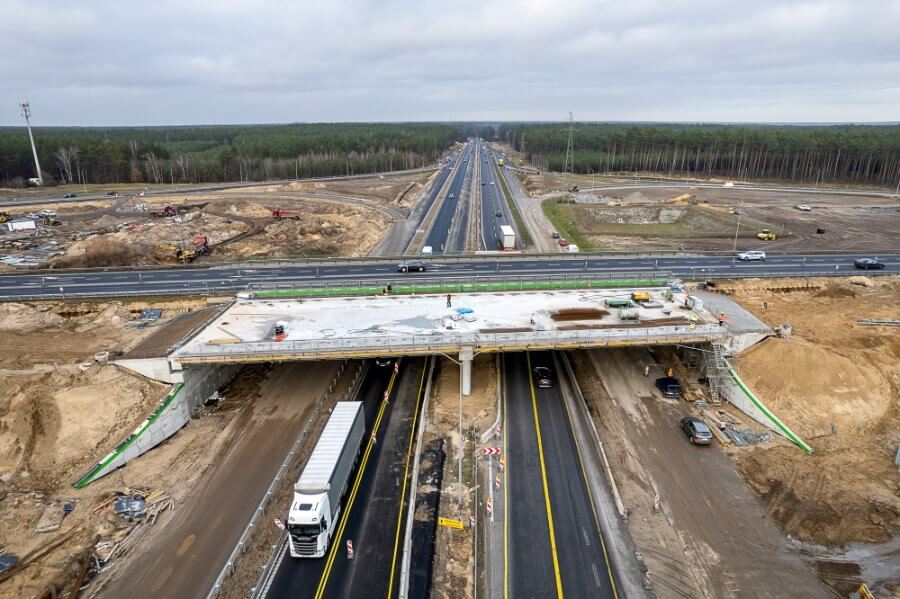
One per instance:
(172, 412)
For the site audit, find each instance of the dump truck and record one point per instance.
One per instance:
(508, 237)
(766, 235)
(51, 221)
(316, 505)
(165, 211)
(281, 214)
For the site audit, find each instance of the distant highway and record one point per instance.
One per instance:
(493, 203)
(379, 272)
(438, 237)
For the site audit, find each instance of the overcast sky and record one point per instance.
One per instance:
(263, 61)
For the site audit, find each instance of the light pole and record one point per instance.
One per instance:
(737, 228)
(26, 112)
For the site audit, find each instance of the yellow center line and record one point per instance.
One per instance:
(591, 497)
(505, 454)
(537, 430)
(332, 552)
(409, 451)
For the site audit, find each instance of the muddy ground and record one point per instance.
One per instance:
(452, 575)
(60, 411)
(609, 219)
(325, 218)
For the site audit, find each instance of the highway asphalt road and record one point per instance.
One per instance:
(379, 272)
(374, 510)
(553, 544)
(492, 203)
(438, 236)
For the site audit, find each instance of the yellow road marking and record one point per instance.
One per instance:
(537, 430)
(591, 497)
(505, 484)
(409, 450)
(332, 552)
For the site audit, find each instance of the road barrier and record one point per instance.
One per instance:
(243, 541)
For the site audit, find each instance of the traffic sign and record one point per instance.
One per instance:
(450, 523)
(490, 450)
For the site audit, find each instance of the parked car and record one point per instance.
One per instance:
(868, 263)
(543, 378)
(669, 386)
(383, 361)
(47, 213)
(752, 255)
(70, 195)
(554, 235)
(696, 430)
(803, 207)
(451, 196)
(411, 265)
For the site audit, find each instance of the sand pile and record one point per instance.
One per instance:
(53, 422)
(837, 384)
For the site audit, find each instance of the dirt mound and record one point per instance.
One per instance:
(837, 384)
(103, 251)
(53, 422)
(812, 387)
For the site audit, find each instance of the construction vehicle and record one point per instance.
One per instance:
(281, 214)
(316, 505)
(166, 211)
(170, 251)
(4, 217)
(766, 235)
(641, 296)
(500, 162)
(51, 221)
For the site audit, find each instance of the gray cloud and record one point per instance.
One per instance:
(229, 61)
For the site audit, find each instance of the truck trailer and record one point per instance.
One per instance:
(317, 494)
(509, 237)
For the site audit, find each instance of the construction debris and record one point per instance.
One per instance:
(746, 436)
(130, 507)
(53, 516)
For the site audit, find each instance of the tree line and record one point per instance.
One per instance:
(839, 154)
(218, 153)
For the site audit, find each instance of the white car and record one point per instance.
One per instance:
(752, 255)
(47, 213)
(803, 208)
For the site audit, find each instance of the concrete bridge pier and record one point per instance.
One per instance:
(466, 355)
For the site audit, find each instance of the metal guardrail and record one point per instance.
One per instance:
(431, 344)
(229, 568)
(230, 287)
(444, 258)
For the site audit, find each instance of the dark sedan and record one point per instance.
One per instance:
(543, 378)
(868, 263)
(696, 430)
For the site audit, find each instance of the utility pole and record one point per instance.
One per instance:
(26, 112)
(737, 228)
(569, 167)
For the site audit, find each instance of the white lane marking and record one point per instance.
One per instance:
(587, 539)
(596, 575)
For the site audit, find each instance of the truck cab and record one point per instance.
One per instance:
(309, 525)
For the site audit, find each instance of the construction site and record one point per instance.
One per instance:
(290, 220)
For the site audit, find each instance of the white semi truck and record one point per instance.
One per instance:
(508, 237)
(324, 481)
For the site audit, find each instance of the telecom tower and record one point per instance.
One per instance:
(26, 112)
(569, 167)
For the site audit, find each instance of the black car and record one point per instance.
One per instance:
(669, 386)
(696, 430)
(112, 193)
(498, 214)
(411, 265)
(70, 195)
(543, 378)
(868, 263)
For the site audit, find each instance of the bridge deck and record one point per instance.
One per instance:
(265, 330)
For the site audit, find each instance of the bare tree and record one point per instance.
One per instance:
(64, 159)
(268, 165)
(154, 168)
(184, 164)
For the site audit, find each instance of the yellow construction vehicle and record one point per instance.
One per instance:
(4, 217)
(500, 162)
(51, 221)
(766, 235)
